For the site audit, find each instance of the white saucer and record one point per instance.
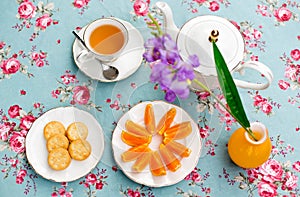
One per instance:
(129, 61)
(37, 153)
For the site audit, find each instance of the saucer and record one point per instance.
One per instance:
(128, 62)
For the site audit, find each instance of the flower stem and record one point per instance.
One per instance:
(156, 24)
(249, 131)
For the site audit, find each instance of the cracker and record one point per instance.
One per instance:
(59, 159)
(53, 128)
(77, 130)
(80, 149)
(57, 141)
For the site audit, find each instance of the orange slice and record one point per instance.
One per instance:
(135, 128)
(135, 140)
(141, 162)
(178, 131)
(134, 152)
(149, 119)
(166, 121)
(156, 165)
(169, 158)
(178, 148)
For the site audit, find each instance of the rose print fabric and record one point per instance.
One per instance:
(38, 73)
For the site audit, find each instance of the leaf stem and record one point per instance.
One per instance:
(249, 131)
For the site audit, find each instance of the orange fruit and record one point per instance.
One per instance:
(156, 165)
(135, 128)
(149, 119)
(169, 158)
(178, 131)
(135, 140)
(166, 121)
(178, 148)
(141, 162)
(134, 152)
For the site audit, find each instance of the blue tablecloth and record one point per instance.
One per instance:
(38, 73)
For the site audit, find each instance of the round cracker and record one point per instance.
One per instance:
(77, 130)
(57, 141)
(52, 128)
(80, 149)
(59, 159)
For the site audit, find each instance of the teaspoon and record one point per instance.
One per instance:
(109, 72)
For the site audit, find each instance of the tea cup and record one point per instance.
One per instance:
(105, 40)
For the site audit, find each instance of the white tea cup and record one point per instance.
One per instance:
(104, 40)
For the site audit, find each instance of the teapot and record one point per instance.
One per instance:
(194, 37)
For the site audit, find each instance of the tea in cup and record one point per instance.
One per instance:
(104, 40)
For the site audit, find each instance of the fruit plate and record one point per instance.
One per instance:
(36, 150)
(192, 141)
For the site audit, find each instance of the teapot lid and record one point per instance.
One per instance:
(193, 38)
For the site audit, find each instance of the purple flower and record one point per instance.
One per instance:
(180, 88)
(168, 69)
(194, 60)
(153, 46)
(170, 96)
(185, 72)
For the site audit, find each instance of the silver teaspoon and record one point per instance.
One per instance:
(109, 72)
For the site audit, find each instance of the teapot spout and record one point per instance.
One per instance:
(169, 25)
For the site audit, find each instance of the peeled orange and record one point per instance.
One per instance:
(142, 162)
(178, 148)
(134, 152)
(166, 121)
(135, 128)
(156, 165)
(169, 158)
(135, 140)
(149, 119)
(178, 131)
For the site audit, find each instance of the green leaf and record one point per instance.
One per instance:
(229, 89)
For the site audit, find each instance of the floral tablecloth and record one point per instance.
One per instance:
(38, 73)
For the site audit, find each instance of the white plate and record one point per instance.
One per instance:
(128, 62)
(193, 141)
(36, 149)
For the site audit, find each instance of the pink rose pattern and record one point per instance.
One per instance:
(14, 126)
(282, 12)
(71, 91)
(291, 67)
(137, 192)
(212, 5)
(277, 177)
(273, 178)
(82, 5)
(10, 64)
(36, 15)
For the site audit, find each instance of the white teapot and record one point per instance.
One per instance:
(194, 38)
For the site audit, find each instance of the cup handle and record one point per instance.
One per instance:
(84, 55)
(261, 68)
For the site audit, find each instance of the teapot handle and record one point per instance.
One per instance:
(261, 68)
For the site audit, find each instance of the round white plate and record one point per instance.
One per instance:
(128, 62)
(36, 149)
(193, 141)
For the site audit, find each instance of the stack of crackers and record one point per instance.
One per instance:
(64, 145)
